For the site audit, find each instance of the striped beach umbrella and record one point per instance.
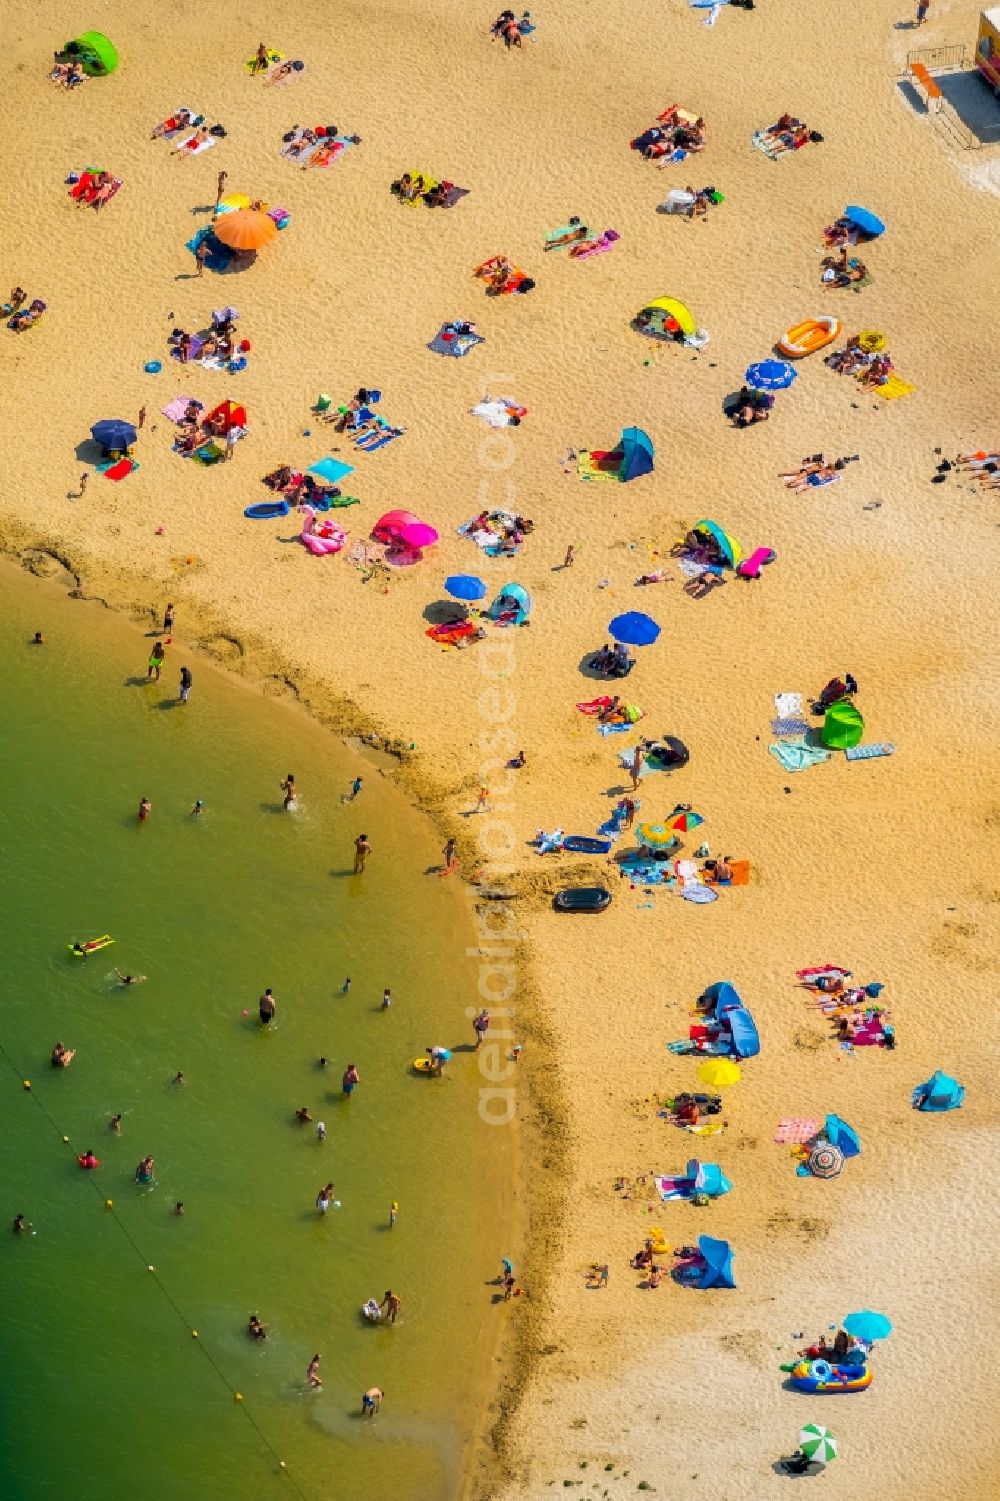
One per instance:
(684, 821)
(825, 1161)
(818, 1443)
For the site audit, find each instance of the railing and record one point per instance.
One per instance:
(938, 57)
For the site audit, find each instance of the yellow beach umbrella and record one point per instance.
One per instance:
(656, 835)
(718, 1073)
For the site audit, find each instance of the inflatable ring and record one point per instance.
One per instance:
(820, 1370)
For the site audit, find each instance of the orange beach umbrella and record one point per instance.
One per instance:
(245, 229)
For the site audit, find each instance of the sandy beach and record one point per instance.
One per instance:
(887, 867)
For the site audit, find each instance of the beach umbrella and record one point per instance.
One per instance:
(634, 629)
(770, 375)
(245, 229)
(418, 534)
(818, 1443)
(867, 1325)
(865, 220)
(825, 1161)
(719, 1073)
(684, 821)
(871, 341)
(465, 586)
(113, 432)
(655, 835)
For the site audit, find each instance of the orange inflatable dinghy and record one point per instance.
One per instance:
(809, 335)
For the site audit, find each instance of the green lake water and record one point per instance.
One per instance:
(106, 1392)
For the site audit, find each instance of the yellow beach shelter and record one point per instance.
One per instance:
(659, 317)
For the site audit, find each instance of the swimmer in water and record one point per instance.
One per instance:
(144, 1172)
(178, 1079)
(303, 1116)
(371, 1401)
(145, 809)
(88, 1160)
(313, 1376)
(291, 794)
(198, 809)
(20, 1226)
(129, 979)
(255, 1328)
(179, 1208)
(115, 1125)
(38, 639)
(62, 1056)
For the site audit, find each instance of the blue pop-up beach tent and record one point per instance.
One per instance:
(718, 1268)
(939, 1093)
(730, 1010)
(708, 1178)
(842, 1136)
(511, 596)
(637, 454)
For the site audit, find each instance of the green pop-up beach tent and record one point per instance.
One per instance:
(95, 52)
(843, 726)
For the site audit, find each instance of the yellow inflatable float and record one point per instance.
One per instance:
(808, 336)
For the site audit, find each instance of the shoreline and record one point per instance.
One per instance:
(487, 1461)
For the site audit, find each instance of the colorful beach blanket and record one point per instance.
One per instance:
(796, 1131)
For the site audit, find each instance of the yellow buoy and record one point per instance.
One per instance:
(151, 1269)
(65, 1138)
(194, 1334)
(237, 1396)
(109, 1203)
(26, 1083)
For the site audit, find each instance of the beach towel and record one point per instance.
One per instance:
(674, 1188)
(204, 145)
(175, 409)
(692, 891)
(869, 752)
(796, 755)
(596, 466)
(448, 340)
(791, 726)
(796, 1130)
(451, 633)
(817, 971)
(766, 145)
(894, 387)
(614, 729)
(604, 243)
(870, 1034)
(740, 876)
(121, 470)
(709, 1128)
(787, 704)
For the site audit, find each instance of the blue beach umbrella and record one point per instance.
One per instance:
(867, 1325)
(865, 220)
(770, 375)
(465, 586)
(113, 432)
(634, 629)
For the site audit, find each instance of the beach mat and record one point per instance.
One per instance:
(869, 752)
(121, 470)
(741, 875)
(175, 409)
(253, 68)
(894, 387)
(789, 726)
(796, 1130)
(796, 755)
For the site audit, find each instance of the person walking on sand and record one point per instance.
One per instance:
(313, 1377)
(362, 849)
(481, 1026)
(156, 657)
(450, 853)
(371, 1401)
(186, 684)
(570, 557)
(220, 188)
(84, 477)
(922, 8)
(291, 793)
(141, 419)
(145, 809)
(267, 1006)
(168, 620)
(635, 770)
(201, 256)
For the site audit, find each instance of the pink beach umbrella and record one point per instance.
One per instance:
(418, 534)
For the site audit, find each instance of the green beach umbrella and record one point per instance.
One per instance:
(818, 1443)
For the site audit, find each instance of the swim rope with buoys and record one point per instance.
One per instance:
(237, 1395)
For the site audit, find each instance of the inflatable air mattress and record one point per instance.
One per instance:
(265, 510)
(582, 899)
(582, 844)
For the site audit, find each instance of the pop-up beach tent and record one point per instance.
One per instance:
(660, 316)
(728, 546)
(939, 1093)
(842, 1136)
(843, 725)
(94, 51)
(718, 1268)
(637, 454)
(512, 599)
(731, 1012)
(229, 413)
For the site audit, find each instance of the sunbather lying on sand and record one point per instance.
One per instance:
(600, 242)
(191, 143)
(69, 74)
(282, 73)
(811, 475)
(575, 230)
(180, 121)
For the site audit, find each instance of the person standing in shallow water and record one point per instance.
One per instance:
(267, 1006)
(351, 1079)
(362, 849)
(291, 793)
(156, 657)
